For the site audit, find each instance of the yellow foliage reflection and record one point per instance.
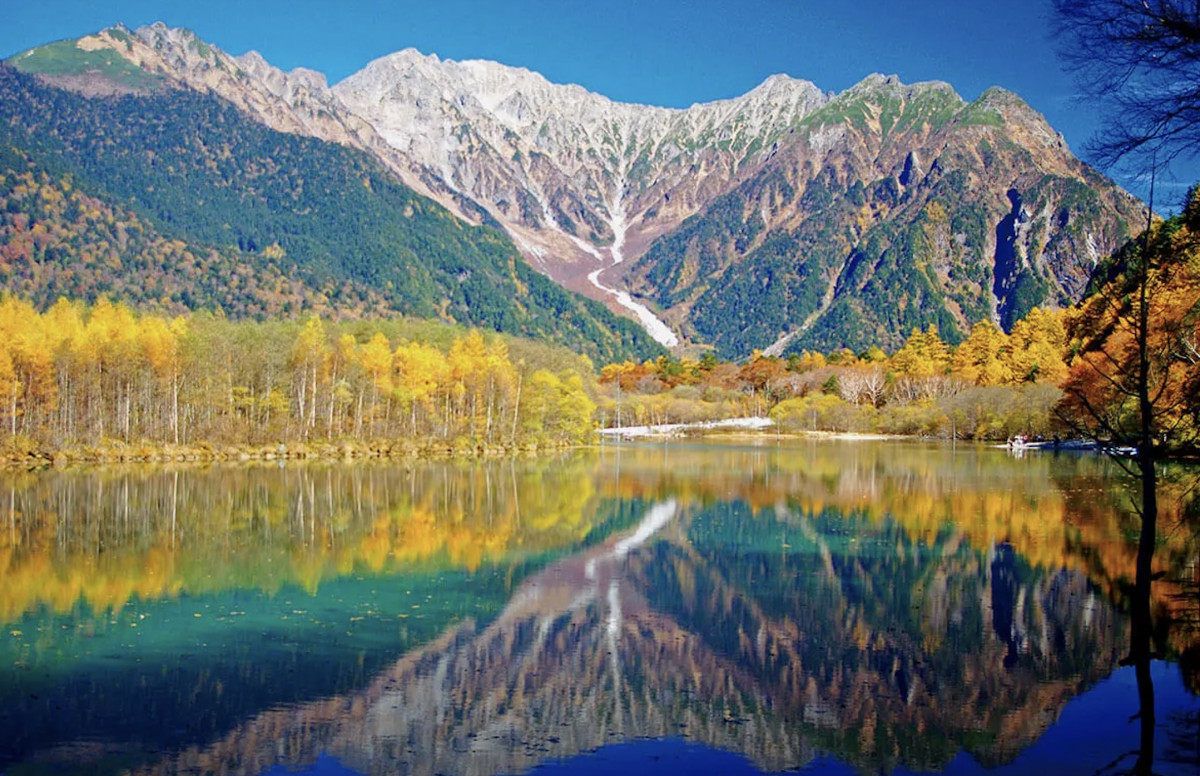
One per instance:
(106, 537)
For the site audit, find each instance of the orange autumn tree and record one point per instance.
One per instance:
(1136, 343)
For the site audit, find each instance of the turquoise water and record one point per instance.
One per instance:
(829, 607)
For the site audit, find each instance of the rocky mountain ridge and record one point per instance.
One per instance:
(781, 219)
(297, 102)
(583, 183)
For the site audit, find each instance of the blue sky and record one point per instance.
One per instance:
(661, 53)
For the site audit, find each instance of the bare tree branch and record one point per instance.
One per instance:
(1139, 60)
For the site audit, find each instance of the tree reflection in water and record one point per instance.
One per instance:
(887, 611)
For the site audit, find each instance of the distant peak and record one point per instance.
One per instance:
(411, 56)
(309, 77)
(782, 82)
(159, 33)
(404, 60)
(1000, 95)
(252, 58)
(1005, 102)
(415, 53)
(256, 65)
(878, 82)
(1011, 106)
(160, 29)
(778, 79)
(879, 79)
(408, 55)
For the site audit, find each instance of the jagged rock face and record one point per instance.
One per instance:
(785, 218)
(298, 102)
(573, 172)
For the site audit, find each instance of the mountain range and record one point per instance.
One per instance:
(783, 219)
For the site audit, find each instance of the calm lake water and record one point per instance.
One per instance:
(832, 607)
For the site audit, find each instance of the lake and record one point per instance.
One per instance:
(833, 607)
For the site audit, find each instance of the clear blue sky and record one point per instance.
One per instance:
(661, 53)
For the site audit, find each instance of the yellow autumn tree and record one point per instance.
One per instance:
(921, 367)
(499, 382)
(309, 362)
(923, 355)
(556, 409)
(420, 371)
(159, 344)
(980, 357)
(9, 387)
(375, 357)
(1037, 347)
(481, 377)
(64, 327)
(32, 391)
(109, 346)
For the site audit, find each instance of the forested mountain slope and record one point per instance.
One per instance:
(298, 211)
(897, 207)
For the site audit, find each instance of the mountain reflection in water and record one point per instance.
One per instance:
(791, 608)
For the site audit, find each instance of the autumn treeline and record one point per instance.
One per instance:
(75, 375)
(1074, 371)
(990, 386)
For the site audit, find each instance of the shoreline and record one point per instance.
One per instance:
(25, 454)
(115, 452)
